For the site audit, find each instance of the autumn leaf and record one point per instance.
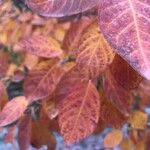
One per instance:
(126, 26)
(4, 64)
(113, 138)
(116, 94)
(73, 35)
(109, 113)
(59, 8)
(93, 52)
(3, 95)
(10, 136)
(41, 46)
(138, 120)
(13, 110)
(40, 132)
(69, 80)
(24, 132)
(42, 80)
(124, 74)
(79, 112)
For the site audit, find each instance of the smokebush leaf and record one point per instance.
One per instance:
(59, 8)
(79, 112)
(124, 74)
(73, 35)
(109, 113)
(24, 132)
(126, 25)
(41, 46)
(42, 80)
(4, 64)
(13, 110)
(94, 52)
(118, 96)
(3, 95)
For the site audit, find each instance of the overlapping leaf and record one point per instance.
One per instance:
(41, 46)
(42, 80)
(124, 74)
(40, 132)
(118, 96)
(73, 35)
(93, 52)
(109, 113)
(60, 8)
(126, 25)
(13, 110)
(79, 112)
(69, 80)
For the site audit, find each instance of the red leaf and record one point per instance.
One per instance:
(124, 74)
(42, 80)
(13, 110)
(126, 25)
(41, 46)
(79, 112)
(60, 8)
(68, 81)
(24, 133)
(118, 96)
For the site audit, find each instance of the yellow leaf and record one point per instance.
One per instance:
(113, 139)
(138, 120)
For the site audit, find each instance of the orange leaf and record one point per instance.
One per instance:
(109, 113)
(93, 51)
(79, 112)
(3, 95)
(113, 139)
(41, 46)
(138, 120)
(13, 110)
(3, 64)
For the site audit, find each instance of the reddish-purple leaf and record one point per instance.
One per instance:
(24, 133)
(13, 110)
(126, 25)
(124, 74)
(41, 46)
(42, 80)
(79, 112)
(58, 8)
(118, 96)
